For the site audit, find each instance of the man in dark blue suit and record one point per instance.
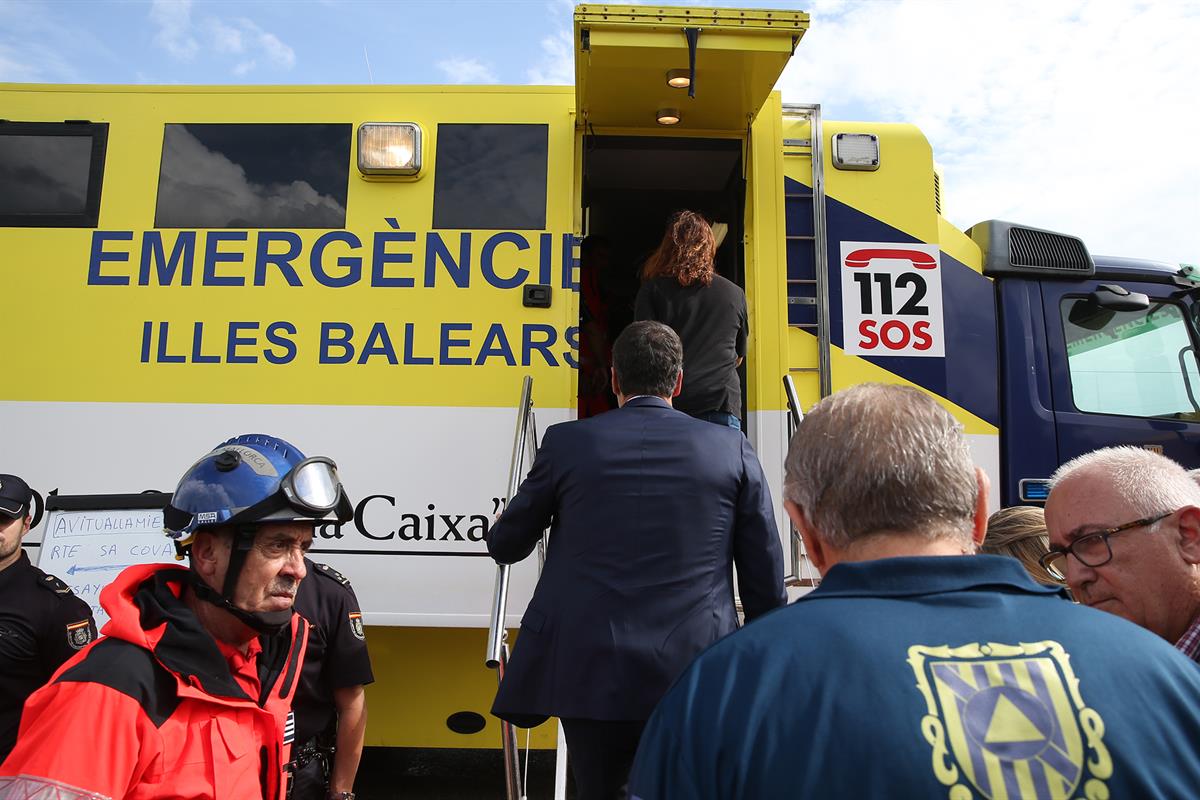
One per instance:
(649, 510)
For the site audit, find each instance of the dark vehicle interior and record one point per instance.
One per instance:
(631, 186)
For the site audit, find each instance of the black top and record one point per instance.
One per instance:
(712, 324)
(337, 648)
(42, 624)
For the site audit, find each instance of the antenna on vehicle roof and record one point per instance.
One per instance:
(370, 74)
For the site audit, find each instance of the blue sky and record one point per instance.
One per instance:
(1074, 115)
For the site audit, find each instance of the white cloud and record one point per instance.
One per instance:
(466, 70)
(179, 36)
(1043, 113)
(557, 67)
(275, 50)
(225, 38)
(173, 18)
(244, 38)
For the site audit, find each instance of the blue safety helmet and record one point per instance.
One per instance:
(255, 478)
(250, 480)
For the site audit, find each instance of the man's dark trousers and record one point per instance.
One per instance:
(649, 510)
(600, 754)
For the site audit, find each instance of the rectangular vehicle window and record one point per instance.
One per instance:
(254, 176)
(1134, 363)
(51, 173)
(490, 177)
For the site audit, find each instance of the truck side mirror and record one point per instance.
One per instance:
(1086, 313)
(1096, 310)
(1118, 298)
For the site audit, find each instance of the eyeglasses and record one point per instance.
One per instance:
(1092, 550)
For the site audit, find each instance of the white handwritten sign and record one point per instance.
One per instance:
(88, 549)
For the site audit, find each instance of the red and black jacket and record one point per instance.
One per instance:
(152, 710)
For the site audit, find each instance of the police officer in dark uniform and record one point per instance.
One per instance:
(330, 706)
(42, 623)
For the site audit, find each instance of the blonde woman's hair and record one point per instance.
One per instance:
(1020, 532)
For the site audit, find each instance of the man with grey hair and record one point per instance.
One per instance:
(918, 669)
(1124, 525)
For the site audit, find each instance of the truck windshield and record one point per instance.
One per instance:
(1134, 363)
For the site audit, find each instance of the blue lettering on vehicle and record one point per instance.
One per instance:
(183, 255)
(352, 264)
(281, 261)
(383, 257)
(100, 256)
(458, 267)
(213, 255)
(391, 260)
(450, 344)
(335, 258)
(488, 268)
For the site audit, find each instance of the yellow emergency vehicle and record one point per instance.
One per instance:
(371, 271)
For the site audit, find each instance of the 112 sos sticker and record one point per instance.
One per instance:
(892, 299)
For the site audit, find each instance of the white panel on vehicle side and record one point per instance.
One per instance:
(425, 482)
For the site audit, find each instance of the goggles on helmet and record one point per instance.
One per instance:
(313, 485)
(312, 489)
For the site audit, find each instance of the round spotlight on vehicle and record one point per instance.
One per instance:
(679, 78)
(668, 116)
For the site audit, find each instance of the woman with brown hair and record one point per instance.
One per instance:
(1020, 532)
(681, 289)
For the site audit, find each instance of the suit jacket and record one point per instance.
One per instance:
(648, 509)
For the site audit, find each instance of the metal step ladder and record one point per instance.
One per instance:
(807, 242)
(807, 282)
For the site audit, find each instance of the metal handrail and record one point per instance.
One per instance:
(496, 630)
(497, 648)
(795, 576)
(793, 401)
(795, 415)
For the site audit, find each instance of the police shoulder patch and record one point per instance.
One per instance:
(79, 633)
(1008, 721)
(331, 573)
(54, 584)
(356, 625)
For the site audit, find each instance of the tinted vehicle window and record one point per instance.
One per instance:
(50, 174)
(1135, 363)
(253, 176)
(491, 177)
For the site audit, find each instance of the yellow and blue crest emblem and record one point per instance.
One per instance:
(1008, 721)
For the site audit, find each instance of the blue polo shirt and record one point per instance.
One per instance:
(928, 678)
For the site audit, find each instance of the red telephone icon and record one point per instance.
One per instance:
(864, 257)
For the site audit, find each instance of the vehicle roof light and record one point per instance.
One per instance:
(668, 116)
(859, 151)
(389, 148)
(679, 78)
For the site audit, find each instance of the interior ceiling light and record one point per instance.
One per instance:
(668, 116)
(679, 78)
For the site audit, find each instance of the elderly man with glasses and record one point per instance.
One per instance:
(1124, 527)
